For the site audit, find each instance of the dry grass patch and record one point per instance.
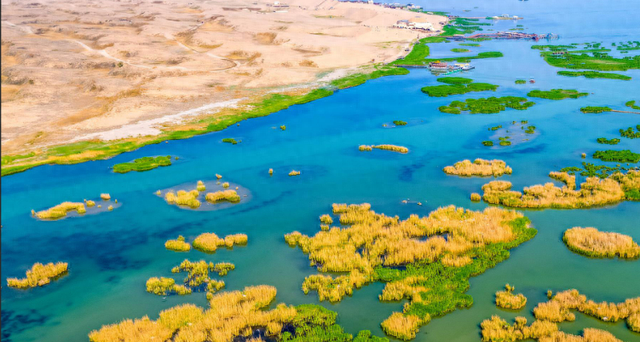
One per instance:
(163, 286)
(178, 245)
(209, 242)
(593, 192)
(294, 173)
(39, 275)
(60, 210)
(183, 198)
(479, 167)
(508, 300)
(221, 196)
(594, 243)
(386, 147)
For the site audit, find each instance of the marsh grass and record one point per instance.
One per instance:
(224, 195)
(556, 94)
(183, 198)
(201, 187)
(479, 167)
(294, 173)
(595, 109)
(506, 299)
(365, 148)
(163, 286)
(59, 211)
(178, 245)
(105, 197)
(489, 105)
(435, 271)
(326, 219)
(386, 147)
(456, 88)
(143, 164)
(624, 156)
(593, 192)
(594, 243)
(39, 275)
(209, 242)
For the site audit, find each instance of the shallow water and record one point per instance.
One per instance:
(111, 255)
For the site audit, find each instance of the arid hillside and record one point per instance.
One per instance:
(78, 70)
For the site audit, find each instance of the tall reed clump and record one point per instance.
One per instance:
(221, 196)
(209, 242)
(178, 245)
(594, 243)
(198, 271)
(508, 300)
(411, 256)
(183, 198)
(61, 210)
(479, 167)
(163, 286)
(593, 192)
(39, 275)
(497, 329)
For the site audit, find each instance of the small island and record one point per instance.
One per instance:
(142, 164)
(39, 275)
(594, 243)
(556, 94)
(456, 86)
(506, 299)
(491, 105)
(479, 167)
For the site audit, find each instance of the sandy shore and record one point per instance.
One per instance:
(78, 70)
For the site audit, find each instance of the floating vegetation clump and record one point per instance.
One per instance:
(178, 245)
(629, 132)
(90, 203)
(143, 164)
(163, 286)
(624, 156)
(230, 141)
(326, 219)
(61, 210)
(595, 58)
(386, 147)
(557, 94)
(489, 105)
(39, 275)
(457, 88)
(460, 50)
(613, 141)
(506, 299)
(521, 82)
(432, 273)
(105, 197)
(632, 105)
(224, 195)
(593, 192)
(479, 167)
(594, 74)
(487, 143)
(233, 316)
(475, 197)
(558, 310)
(201, 187)
(594, 243)
(183, 198)
(294, 173)
(399, 122)
(283, 127)
(198, 271)
(209, 242)
(592, 170)
(595, 109)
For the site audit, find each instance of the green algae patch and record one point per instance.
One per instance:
(594, 192)
(594, 74)
(457, 89)
(39, 275)
(142, 164)
(412, 257)
(489, 105)
(596, 244)
(245, 313)
(623, 156)
(556, 94)
(595, 109)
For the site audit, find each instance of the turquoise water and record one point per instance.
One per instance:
(112, 254)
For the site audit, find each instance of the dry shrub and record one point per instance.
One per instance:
(479, 167)
(266, 38)
(231, 314)
(61, 210)
(39, 275)
(308, 63)
(593, 192)
(475, 197)
(594, 243)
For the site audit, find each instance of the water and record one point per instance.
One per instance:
(112, 254)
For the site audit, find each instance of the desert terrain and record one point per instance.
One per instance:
(80, 70)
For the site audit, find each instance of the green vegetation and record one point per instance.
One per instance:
(632, 104)
(455, 80)
(595, 109)
(592, 170)
(481, 55)
(229, 141)
(371, 246)
(487, 143)
(594, 74)
(629, 133)
(458, 50)
(624, 156)
(613, 141)
(495, 128)
(470, 44)
(553, 47)
(556, 94)
(39, 275)
(489, 105)
(592, 59)
(142, 164)
(521, 81)
(96, 150)
(399, 122)
(529, 129)
(446, 90)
